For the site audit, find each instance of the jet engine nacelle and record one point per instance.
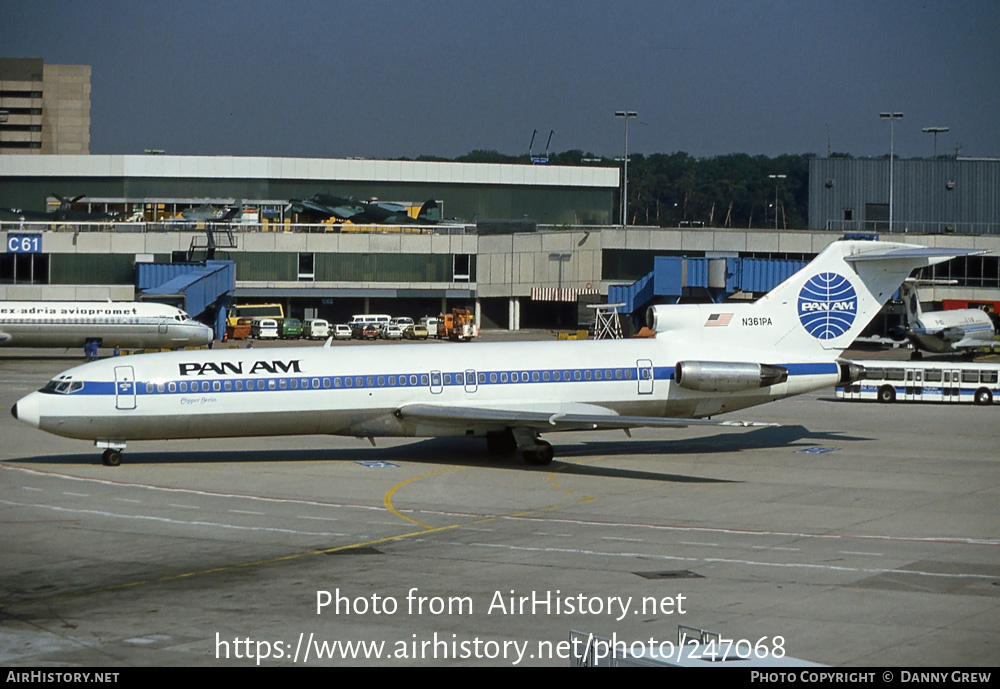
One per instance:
(674, 317)
(850, 372)
(952, 334)
(897, 333)
(727, 376)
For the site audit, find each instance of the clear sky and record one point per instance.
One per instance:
(386, 79)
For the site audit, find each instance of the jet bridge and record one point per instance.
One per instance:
(200, 288)
(675, 278)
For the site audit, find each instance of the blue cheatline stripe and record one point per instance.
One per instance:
(444, 379)
(814, 369)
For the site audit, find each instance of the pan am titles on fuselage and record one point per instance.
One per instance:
(706, 359)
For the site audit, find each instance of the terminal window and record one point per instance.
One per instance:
(24, 269)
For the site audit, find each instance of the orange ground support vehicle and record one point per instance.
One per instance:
(459, 325)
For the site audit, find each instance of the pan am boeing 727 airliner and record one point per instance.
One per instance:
(706, 359)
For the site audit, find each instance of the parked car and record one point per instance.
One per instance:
(290, 329)
(402, 321)
(415, 332)
(392, 332)
(367, 331)
(341, 331)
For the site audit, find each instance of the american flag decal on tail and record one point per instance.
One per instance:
(718, 320)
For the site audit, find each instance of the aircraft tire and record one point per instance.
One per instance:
(983, 396)
(111, 458)
(541, 456)
(887, 394)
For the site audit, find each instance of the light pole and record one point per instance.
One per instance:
(935, 131)
(776, 178)
(625, 114)
(892, 117)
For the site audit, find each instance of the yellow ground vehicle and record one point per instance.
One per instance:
(275, 311)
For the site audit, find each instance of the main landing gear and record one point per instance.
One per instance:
(112, 455)
(540, 454)
(533, 449)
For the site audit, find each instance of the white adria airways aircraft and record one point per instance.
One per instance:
(705, 360)
(109, 324)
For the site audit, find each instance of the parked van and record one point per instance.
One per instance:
(264, 329)
(431, 323)
(380, 319)
(290, 329)
(316, 329)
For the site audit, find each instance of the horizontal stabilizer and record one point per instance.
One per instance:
(910, 253)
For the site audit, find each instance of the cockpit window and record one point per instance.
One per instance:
(62, 386)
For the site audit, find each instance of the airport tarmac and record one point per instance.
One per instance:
(853, 534)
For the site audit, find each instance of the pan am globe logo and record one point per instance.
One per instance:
(828, 306)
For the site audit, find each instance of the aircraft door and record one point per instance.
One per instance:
(436, 384)
(124, 387)
(644, 373)
(470, 381)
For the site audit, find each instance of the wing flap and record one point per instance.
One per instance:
(551, 420)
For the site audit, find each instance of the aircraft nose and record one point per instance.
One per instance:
(26, 410)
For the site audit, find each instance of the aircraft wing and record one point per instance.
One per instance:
(342, 209)
(27, 215)
(593, 419)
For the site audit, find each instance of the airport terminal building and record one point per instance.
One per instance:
(44, 109)
(522, 245)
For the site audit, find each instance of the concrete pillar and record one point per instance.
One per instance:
(514, 314)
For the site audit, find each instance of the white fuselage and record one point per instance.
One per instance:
(129, 325)
(949, 331)
(357, 390)
(705, 360)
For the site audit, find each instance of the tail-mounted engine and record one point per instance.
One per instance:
(727, 376)
(662, 318)
(850, 372)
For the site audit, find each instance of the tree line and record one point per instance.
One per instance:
(677, 189)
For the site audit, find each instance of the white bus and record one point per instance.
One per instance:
(925, 381)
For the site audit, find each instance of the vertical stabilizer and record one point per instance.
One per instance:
(911, 301)
(826, 305)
